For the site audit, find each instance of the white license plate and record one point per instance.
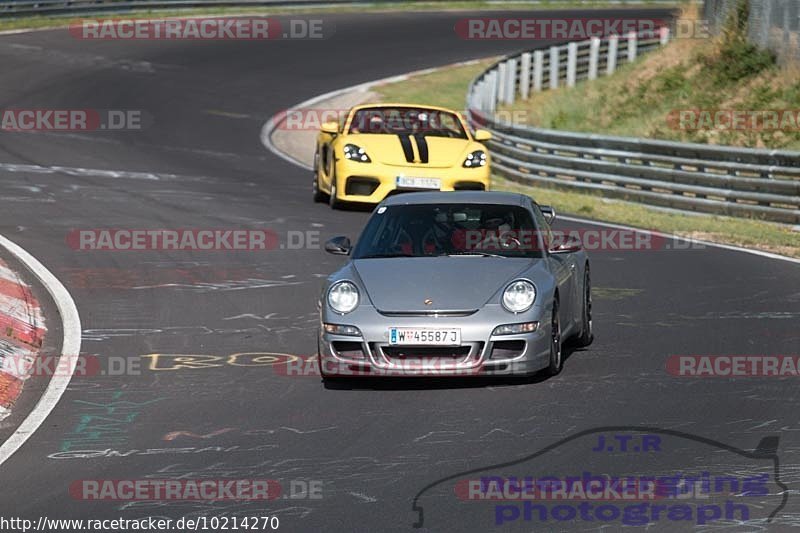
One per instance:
(419, 183)
(424, 336)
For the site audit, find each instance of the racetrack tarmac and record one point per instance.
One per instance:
(199, 164)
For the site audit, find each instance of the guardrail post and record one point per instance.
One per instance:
(572, 63)
(538, 67)
(594, 55)
(493, 91)
(664, 35)
(525, 76)
(477, 96)
(554, 51)
(631, 47)
(511, 82)
(611, 64)
(501, 82)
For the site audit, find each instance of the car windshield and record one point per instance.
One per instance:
(433, 230)
(407, 121)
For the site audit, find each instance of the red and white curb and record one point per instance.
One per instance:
(70, 345)
(22, 331)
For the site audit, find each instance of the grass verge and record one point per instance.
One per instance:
(448, 86)
(59, 21)
(445, 87)
(645, 98)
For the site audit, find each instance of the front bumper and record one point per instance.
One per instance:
(370, 183)
(480, 352)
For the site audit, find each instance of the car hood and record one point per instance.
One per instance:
(443, 152)
(461, 283)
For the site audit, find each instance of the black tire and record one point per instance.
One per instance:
(556, 359)
(587, 333)
(319, 196)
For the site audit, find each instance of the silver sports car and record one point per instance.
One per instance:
(452, 284)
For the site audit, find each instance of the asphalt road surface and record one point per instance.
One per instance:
(371, 448)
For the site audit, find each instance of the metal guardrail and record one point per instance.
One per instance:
(763, 184)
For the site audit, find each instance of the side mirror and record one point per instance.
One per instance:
(330, 127)
(482, 135)
(338, 246)
(567, 247)
(549, 213)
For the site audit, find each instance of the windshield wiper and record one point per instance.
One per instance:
(475, 253)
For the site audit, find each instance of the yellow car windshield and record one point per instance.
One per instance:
(407, 121)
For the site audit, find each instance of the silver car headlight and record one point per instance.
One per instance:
(343, 297)
(355, 153)
(519, 296)
(475, 159)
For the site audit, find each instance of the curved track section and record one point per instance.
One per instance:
(231, 415)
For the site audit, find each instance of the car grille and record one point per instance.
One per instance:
(360, 186)
(507, 349)
(348, 349)
(468, 186)
(425, 352)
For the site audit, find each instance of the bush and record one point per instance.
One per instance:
(738, 58)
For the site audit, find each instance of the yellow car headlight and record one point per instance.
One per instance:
(356, 153)
(475, 159)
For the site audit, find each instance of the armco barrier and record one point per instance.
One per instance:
(763, 184)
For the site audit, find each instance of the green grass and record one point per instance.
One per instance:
(643, 99)
(777, 238)
(58, 21)
(444, 87)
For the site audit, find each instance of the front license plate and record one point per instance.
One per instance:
(425, 336)
(410, 182)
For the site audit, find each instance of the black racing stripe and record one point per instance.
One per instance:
(422, 146)
(408, 150)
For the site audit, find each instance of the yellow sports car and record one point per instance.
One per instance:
(382, 149)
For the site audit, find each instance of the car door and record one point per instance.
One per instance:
(563, 267)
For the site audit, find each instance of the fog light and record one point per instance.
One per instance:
(513, 329)
(337, 329)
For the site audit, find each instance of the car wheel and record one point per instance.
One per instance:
(319, 196)
(333, 201)
(587, 334)
(556, 364)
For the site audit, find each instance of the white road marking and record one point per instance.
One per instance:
(684, 239)
(363, 497)
(70, 347)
